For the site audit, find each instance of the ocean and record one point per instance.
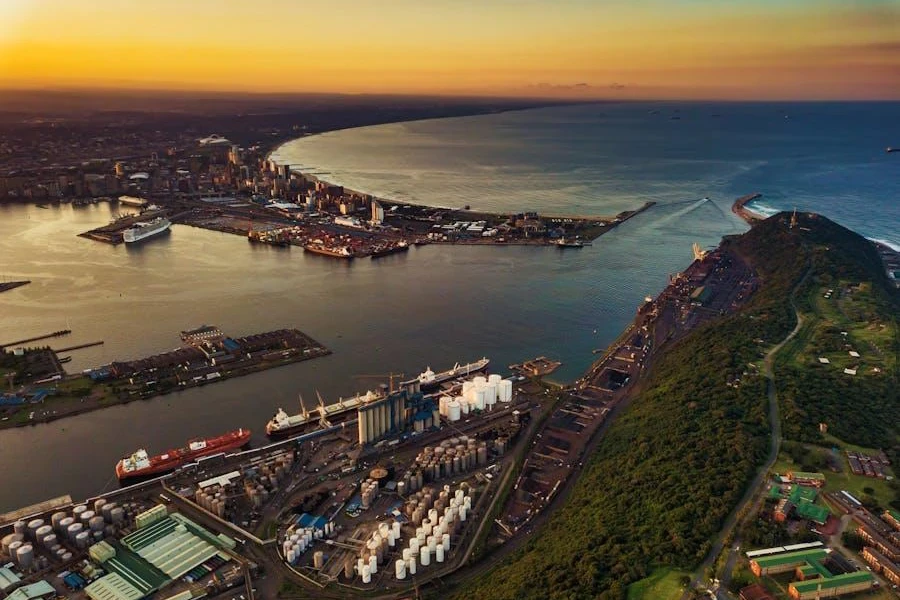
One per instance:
(434, 305)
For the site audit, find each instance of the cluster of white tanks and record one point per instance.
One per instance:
(452, 457)
(479, 393)
(299, 540)
(433, 532)
(263, 480)
(368, 492)
(375, 551)
(64, 533)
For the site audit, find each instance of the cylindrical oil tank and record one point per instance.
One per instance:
(360, 565)
(479, 380)
(20, 527)
(431, 543)
(490, 396)
(424, 556)
(494, 378)
(482, 454)
(73, 530)
(367, 574)
(56, 518)
(318, 559)
(66, 557)
(414, 546)
(49, 540)
(78, 510)
(348, 569)
(439, 554)
(373, 564)
(86, 516)
(96, 535)
(42, 532)
(98, 504)
(400, 569)
(96, 523)
(33, 526)
(407, 552)
(9, 539)
(64, 525)
(291, 556)
(118, 515)
(14, 548)
(82, 539)
(411, 565)
(445, 542)
(25, 556)
(462, 513)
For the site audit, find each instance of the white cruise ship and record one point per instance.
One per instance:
(144, 229)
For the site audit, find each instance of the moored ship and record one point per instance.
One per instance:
(283, 425)
(390, 249)
(144, 229)
(318, 247)
(141, 464)
(429, 379)
(570, 243)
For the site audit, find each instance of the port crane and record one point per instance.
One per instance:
(389, 376)
(324, 423)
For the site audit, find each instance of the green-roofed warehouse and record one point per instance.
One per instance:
(782, 563)
(830, 587)
(174, 545)
(113, 586)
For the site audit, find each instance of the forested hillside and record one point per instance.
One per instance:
(672, 467)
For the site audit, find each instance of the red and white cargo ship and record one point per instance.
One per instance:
(140, 464)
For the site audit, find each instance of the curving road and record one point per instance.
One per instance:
(757, 485)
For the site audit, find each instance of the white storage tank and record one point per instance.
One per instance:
(464, 406)
(467, 387)
(20, 527)
(86, 516)
(439, 554)
(424, 556)
(411, 565)
(490, 395)
(400, 569)
(479, 380)
(454, 411)
(494, 378)
(445, 542)
(98, 504)
(78, 510)
(505, 391)
(117, 515)
(373, 565)
(14, 549)
(33, 526)
(73, 530)
(49, 541)
(367, 574)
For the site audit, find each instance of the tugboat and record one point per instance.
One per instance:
(569, 243)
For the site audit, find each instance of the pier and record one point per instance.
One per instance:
(79, 347)
(55, 334)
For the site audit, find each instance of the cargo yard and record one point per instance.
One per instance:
(373, 495)
(41, 391)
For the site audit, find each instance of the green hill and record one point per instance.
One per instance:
(672, 467)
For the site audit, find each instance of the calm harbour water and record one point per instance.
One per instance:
(435, 305)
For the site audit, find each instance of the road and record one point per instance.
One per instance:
(757, 486)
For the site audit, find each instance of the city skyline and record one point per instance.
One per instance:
(688, 49)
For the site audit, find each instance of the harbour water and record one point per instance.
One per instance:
(434, 305)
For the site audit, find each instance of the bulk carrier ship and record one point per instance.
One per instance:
(144, 229)
(140, 464)
(317, 247)
(283, 425)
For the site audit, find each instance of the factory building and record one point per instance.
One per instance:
(41, 589)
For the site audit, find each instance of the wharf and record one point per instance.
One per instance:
(112, 233)
(6, 286)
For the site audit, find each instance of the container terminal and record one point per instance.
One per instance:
(407, 487)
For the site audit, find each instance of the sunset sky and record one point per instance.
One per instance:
(791, 49)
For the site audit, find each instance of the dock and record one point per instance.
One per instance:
(536, 367)
(11, 285)
(55, 334)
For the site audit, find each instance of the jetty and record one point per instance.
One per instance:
(739, 208)
(79, 347)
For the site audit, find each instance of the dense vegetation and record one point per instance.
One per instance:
(677, 461)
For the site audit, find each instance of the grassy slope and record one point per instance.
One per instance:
(672, 467)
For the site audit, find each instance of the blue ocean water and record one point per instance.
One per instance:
(604, 158)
